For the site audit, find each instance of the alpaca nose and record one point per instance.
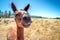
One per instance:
(27, 19)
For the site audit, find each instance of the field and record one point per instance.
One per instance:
(40, 29)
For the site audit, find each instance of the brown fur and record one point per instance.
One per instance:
(20, 26)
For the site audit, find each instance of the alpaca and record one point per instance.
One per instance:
(22, 19)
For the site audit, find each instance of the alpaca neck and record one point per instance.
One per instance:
(20, 33)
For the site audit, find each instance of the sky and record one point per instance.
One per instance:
(44, 8)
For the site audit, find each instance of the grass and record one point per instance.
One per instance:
(40, 29)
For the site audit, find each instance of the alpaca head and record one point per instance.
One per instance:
(22, 16)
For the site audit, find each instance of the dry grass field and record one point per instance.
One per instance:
(40, 29)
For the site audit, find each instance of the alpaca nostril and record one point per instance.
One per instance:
(26, 19)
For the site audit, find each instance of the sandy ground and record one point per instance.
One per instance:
(40, 29)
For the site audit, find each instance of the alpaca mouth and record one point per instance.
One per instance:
(26, 24)
(26, 21)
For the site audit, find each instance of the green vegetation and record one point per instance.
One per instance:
(36, 16)
(57, 18)
(8, 14)
(44, 17)
(5, 14)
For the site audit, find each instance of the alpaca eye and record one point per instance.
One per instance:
(18, 14)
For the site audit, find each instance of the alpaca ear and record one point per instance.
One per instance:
(27, 7)
(13, 7)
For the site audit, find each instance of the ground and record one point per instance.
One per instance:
(40, 29)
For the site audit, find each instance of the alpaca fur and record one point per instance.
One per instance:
(20, 23)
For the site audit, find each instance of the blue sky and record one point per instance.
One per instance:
(44, 8)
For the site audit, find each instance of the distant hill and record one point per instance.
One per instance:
(36, 16)
(44, 17)
(56, 18)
